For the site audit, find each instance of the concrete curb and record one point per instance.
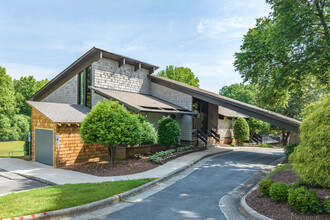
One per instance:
(36, 179)
(114, 199)
(244, 207)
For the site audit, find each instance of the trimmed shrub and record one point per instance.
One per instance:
(279, 191)
(241, 130)
(109, 123)
(168, 132)
(264, 186)
(148, 134)
(326, 204)
(289, 150)
(311, 157)
(304, 200)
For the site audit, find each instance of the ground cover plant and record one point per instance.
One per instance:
(162, 156)
(62, 196)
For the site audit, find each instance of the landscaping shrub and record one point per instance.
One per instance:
(241, 130)
(264, 186)
(109, 123)
(148, 135)
(168, 132)
(311, 157)
(265, 145)
(289, 150)
(279, 191)
(304, 200)
(326, 204)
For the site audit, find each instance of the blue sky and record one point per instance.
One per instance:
(42, 37)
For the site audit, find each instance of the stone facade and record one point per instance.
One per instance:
(178, 98)
(225, 128)
(107, 74)
(67, 93)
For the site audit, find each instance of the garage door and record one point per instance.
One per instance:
(44, 146)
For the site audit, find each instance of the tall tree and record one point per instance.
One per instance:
(287, 48)
(7, 96)
(25, 87)
(247, 93)
(180, 74)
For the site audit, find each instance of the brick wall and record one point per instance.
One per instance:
(107, 74)
(67, 93)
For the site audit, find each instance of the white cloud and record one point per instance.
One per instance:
(214, 28)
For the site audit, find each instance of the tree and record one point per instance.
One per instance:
(7, 95)
(109, 123)
(247, 93)
(169, 132)
(287, 48)
(180, 74)
(25, 87)
(21, 125)
(257, 125)
(241, 130)
(311, 157)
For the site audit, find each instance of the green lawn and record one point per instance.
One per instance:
(62, 196)
(11, 148)
(280, 168)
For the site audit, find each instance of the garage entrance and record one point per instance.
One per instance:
(44, 146)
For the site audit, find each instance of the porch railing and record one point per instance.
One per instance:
(201, 136)
(215, 135)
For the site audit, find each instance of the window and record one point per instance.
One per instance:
(84, 81)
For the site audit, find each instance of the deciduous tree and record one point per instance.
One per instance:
(180, 74)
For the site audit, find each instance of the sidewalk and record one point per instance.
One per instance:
(56, 176)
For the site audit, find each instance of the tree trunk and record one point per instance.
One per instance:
(109, 154)
(286, 137)
(251, 135)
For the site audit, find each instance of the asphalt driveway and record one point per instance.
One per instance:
(197, 195)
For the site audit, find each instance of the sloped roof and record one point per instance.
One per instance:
(85, 60)
(141, 102)
(61, 113)
(230, 113)
(241, 107)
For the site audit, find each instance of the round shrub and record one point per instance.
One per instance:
(311, 157)
(241, 130)
(289, 149)
(326, 204)
(168, 132)
(148, 134)
(279, 191)
(304, 200)
(264, 186)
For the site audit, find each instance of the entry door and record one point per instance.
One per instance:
(44, 146)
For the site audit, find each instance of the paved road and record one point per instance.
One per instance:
(197, 195)
(18, 183)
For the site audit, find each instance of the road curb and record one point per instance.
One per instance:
(244, 207)
(114, 199)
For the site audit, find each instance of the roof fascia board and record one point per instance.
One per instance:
(65, 75)
(243, 108)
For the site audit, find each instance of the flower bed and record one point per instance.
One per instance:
(164, 156)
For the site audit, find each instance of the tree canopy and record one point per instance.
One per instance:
(286, 49)
(7, 95)
(242, 92)
(180, 74)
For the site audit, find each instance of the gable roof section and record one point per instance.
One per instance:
(142, 103)
(241, 107)
(61, 113)
(82, 62)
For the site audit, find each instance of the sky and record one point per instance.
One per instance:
(43, 37)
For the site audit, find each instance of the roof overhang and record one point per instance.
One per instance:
(241, 107)
(138, 102)
(84, 61)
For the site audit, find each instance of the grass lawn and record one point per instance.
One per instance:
(11, 146)
(62, 196)
(280, 168)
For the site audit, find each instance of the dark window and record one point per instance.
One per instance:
(221, 117)
(84, 81)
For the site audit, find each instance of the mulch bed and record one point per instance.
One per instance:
(123, 167)
(275, 210)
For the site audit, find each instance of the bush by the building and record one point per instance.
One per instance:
(241, 130)
(168, 132)
(264, 186)
(289, 149)
(148, 135)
